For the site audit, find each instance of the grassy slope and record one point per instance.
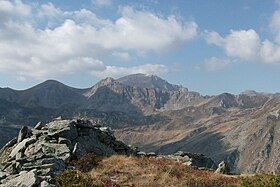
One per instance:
(135, 171)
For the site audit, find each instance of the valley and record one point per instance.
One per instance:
(148, 112)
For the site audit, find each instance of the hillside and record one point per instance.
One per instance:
(155, 115)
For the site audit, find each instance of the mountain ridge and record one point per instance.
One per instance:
(159, 116)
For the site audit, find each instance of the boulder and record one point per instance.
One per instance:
(24, 179)
(151, 154)
(141, 153)
(38, 126)
(62, 128)
(2, 175)
(22, 134)
(222, 168)
(46, 184)
(21, 147)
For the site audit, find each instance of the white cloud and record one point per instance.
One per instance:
(79, 40)
(215, 64)
(49, 10)
(102, 3)
(246, 45)
(116, 72)
(243, 44)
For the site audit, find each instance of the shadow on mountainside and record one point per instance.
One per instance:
(106, 100)
(207, 143)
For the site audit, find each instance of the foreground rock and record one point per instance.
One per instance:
(36, 156)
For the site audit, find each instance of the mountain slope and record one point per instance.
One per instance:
(50, 94)
(153, 114)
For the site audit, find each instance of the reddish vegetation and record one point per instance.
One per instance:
(135, 171)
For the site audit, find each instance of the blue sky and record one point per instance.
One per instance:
(207, 46)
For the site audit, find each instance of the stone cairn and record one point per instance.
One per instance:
(37, 155)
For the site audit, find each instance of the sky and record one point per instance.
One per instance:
(207, 46)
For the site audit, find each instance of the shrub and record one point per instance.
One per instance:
(260, 180)
(74, 178)
(87, 162)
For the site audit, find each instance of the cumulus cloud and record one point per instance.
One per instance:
(246, 45)
(78, 41)
(117, 72)
(214, 64)
(243, 44)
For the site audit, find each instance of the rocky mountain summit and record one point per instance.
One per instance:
(39, 154)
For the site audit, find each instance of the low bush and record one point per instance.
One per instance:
(261, 180)
(87, 162)
(74, 178)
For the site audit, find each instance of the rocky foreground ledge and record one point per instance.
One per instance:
(39, 154)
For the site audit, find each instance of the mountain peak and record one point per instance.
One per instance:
(103, 82)
(147, 81)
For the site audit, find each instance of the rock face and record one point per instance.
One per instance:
(33, 159)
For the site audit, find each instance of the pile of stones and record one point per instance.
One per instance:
(37, 155)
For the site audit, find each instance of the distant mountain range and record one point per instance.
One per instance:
(147, 111)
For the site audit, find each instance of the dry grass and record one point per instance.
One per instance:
(135, 171)
(117, 171)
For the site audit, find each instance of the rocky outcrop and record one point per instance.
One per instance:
(198, 161)
(39, 154)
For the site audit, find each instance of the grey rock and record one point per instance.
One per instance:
(43, 155)
(106, 130)
(46, 184)
(2, 175)
(151, 154)
(22, 134)
(84, 124)
(141, 153)
(10, 168)
(194, 160)
(38, 126)
(62, 128)
(25, 179)
(11, 143)
(21, 146)
(64, 141)
(222, 168)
